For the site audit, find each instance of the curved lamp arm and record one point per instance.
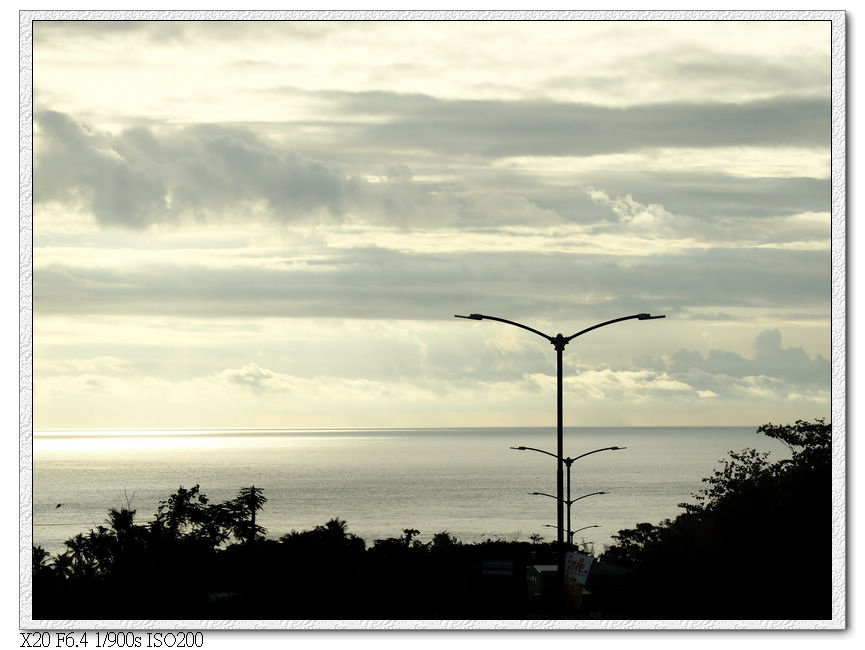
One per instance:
(504, 320)
(584, 528)
(610, 322)
(572, 531)
(589, 453)
(535, 449)
(584, 496)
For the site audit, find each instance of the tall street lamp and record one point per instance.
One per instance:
(570, 502)
(559, 342)
(568, 462)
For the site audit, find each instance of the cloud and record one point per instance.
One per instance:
(651, 217)
(255, 378)
(138, 177)
(76, 165)
(706, 72)
(372, 282)
(270, 356)
(135, 179)
(803, 230)
(296, 210)
(52, 32)
(188, 31)
(252, 394)
(697, 192)
(142, 176)
(790, 365)
(493, 129)
(774, 377)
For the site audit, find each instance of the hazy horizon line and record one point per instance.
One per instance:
(157, 431)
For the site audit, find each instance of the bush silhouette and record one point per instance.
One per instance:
(756, 544)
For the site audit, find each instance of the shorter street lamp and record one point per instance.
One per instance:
(568, 462)
(569, 503)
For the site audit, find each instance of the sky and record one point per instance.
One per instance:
(272, 224)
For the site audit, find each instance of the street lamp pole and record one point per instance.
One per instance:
(559, 342)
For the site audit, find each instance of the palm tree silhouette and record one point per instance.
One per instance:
(79, 552)
(122, 524)
(409, 534)
(336, 527)
(40, 560)
(248, 501)
(63, 565)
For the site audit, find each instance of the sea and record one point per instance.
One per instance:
(464, 481)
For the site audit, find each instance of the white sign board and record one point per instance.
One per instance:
(577, 566)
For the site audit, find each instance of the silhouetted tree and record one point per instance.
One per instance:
(100, 547)
(444, 540)
(633, 543)
(408, 535)
(62, 565)
(41, 558)
(122, 524)
(336, 527)
(188, 514)
(78, 548)
(248, 501)
(182, 511)
(738, 551)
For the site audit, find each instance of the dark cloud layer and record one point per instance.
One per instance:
(378, 283)
(493, 129)
(140, 176)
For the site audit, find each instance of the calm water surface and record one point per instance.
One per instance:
(465, 481)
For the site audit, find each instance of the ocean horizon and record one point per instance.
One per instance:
(463, 480)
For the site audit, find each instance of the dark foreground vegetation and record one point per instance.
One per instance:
(756, 544)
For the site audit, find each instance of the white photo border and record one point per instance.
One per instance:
(838, 323)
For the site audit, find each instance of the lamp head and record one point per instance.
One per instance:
(471, 316)
(649, 316)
